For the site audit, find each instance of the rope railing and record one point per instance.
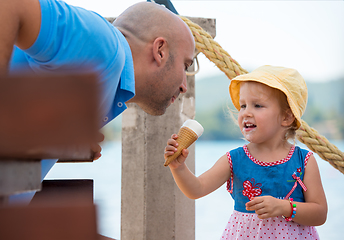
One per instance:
(213, 51)
(305, 134)
(320, 145)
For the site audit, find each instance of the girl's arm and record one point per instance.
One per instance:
(195, 187)
(312, 212)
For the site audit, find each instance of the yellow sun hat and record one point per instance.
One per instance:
(287, 80)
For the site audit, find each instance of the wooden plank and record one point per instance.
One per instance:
(57, 188)
(17, 176)
(48, 116)
(53, 220)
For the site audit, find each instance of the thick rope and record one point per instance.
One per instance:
(320, 145)
(305, 134)
(213, 51)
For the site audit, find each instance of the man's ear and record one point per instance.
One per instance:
(160, 50)
(288, 118)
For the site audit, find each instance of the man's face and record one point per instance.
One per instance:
(170, 80)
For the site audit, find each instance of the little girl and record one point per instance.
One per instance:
(276, 185)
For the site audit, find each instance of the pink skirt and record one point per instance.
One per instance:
(249, 226)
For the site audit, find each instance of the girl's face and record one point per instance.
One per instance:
(260, 116)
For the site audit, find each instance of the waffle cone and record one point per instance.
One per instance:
(186, 137)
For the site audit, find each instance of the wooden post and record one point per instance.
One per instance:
(152, 205)
(46, 116)
(42, 117)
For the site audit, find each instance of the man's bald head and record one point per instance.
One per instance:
(146, 21)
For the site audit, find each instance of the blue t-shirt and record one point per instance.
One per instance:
(251, 177)
(73, 39)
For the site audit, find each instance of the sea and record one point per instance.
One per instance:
(212, 211)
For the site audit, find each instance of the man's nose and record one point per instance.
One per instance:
(183, 88)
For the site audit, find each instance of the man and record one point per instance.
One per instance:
(140, 59)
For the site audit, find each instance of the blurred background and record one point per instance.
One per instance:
(305, 35)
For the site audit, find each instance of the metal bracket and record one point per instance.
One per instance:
(166, 3)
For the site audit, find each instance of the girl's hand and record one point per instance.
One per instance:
(268, 206)
(171, 148)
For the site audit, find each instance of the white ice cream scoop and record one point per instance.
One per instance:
(189, 132)
(194, 126)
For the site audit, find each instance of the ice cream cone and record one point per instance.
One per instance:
(187, 135)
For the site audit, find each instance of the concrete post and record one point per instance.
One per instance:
(152, 205)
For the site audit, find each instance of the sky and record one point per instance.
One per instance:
(305, 35)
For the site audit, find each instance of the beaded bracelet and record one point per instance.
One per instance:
(293, 211)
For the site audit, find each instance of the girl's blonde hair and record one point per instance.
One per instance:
(283, 102)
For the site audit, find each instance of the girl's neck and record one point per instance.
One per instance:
(271, 152)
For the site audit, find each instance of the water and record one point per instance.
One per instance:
(212, 211)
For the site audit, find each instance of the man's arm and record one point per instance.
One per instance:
(20, 24)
